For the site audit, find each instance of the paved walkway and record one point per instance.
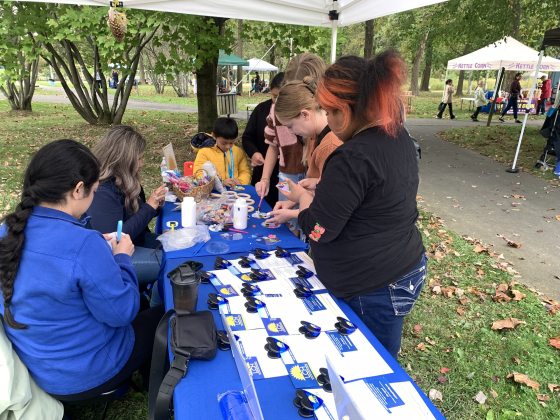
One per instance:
(475, 197)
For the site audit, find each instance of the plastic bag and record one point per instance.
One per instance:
(234, 406)
(173, 240)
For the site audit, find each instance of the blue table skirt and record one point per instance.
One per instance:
(196, 395)
(249, 242)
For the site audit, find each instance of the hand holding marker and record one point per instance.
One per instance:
(119, 230)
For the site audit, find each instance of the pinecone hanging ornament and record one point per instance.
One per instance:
(117, 23)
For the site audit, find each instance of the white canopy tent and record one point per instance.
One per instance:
(329, 13)
(508, 53)
(256, 64)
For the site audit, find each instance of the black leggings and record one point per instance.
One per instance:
(144, 325)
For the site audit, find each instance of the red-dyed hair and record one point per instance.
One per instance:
(368, 90)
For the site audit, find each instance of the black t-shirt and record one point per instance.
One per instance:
(362, 222)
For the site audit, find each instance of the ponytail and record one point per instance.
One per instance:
(54, 171)
(295, 96)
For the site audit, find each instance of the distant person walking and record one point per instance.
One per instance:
(479, 100)
(546, 93)
(514, 93)
(446, 99)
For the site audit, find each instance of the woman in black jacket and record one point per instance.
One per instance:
(362, 221)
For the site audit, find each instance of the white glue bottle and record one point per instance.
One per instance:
(188, 212)
(240, 214)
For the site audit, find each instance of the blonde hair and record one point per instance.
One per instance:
(302, 65)
(295, 96)
(119, 153)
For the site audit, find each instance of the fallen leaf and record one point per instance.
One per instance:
(521, 378)
(480, 397)
(444, 370)
(464, 300)
(543, 397)
(493, 393)
(460, 311)
(508, 323)
(421, 347)
(557, 217)
(435, 395)
(502, 287)
(555, 342)
(517, 295)
(501, 297)
(554, 387)
(479, 248)
(430, 341)
(436, 290)
(442, 379)
(417, 329)
(516, 360)
(518, 196)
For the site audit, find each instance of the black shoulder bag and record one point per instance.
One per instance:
(193, 336)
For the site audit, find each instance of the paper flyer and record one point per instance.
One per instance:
(260, 365)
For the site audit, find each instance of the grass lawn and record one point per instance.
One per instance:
(448, 344)
(499, 142)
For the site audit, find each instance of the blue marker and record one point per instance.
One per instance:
(119, 230)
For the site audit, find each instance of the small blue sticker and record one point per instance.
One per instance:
(301, 375)
(235, 322)
(384, 392)
(304, 282)
(274, 326)
(313, 304)
(343, 343)
(254, 368)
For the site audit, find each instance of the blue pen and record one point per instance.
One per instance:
(119, 230)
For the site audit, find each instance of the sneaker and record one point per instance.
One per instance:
(518, 122)
(452, 117)
(502, 119)
(438, 117)
(557, 169)
(474, 118)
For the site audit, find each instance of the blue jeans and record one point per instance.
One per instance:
(512, 103)
(383, 310)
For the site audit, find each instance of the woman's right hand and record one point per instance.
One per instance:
(124, 246)
(284, 205)
(157, 197)
(262, 187)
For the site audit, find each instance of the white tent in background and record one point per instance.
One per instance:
(256, 64)
(328, 13)
(506, 52)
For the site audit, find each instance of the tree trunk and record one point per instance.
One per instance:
(20, 95)
(87, 97)
(142, 70)
(207, 86)
(181, 84)
(425, 84)
(240, 54)
(369, 45)
(459, 90)
(416, 64)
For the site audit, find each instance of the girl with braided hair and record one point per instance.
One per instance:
(69, 299)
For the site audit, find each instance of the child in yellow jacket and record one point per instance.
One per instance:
(230, 160)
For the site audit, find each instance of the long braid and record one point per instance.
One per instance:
(11, 247)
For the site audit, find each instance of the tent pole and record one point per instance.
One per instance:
(334, 35)
(513, 169)
(497, 87)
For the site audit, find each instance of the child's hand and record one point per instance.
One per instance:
(231, 182)
(309, 183)
(282, 215)
(124, 246)
(257, 159)
(295, 192)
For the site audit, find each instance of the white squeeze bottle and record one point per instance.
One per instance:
(240, 214)
(188, 212)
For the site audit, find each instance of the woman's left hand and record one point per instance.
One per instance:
(296, 191)
(283, 215)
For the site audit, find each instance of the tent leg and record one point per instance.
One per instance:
(499, 80)
(334, 34)
(513, 169)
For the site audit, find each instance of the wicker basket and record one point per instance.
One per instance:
(200, 192)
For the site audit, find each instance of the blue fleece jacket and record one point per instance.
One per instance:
(108, 208)
(78, 302)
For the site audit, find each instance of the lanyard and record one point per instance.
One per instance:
(230, 163)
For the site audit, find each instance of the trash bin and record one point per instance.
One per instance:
(227, 103)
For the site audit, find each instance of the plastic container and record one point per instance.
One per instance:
(188, 212)
(240, 213)
(185, 289)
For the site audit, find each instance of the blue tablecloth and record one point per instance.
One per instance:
(219, 245)
(196, 395)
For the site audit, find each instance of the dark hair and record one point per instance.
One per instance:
(277, 81)
(52, 172)
(369, 90)
(518, 74)
(448, 81)
(225, 127)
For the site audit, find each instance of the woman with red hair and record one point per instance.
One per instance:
(362, 220)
